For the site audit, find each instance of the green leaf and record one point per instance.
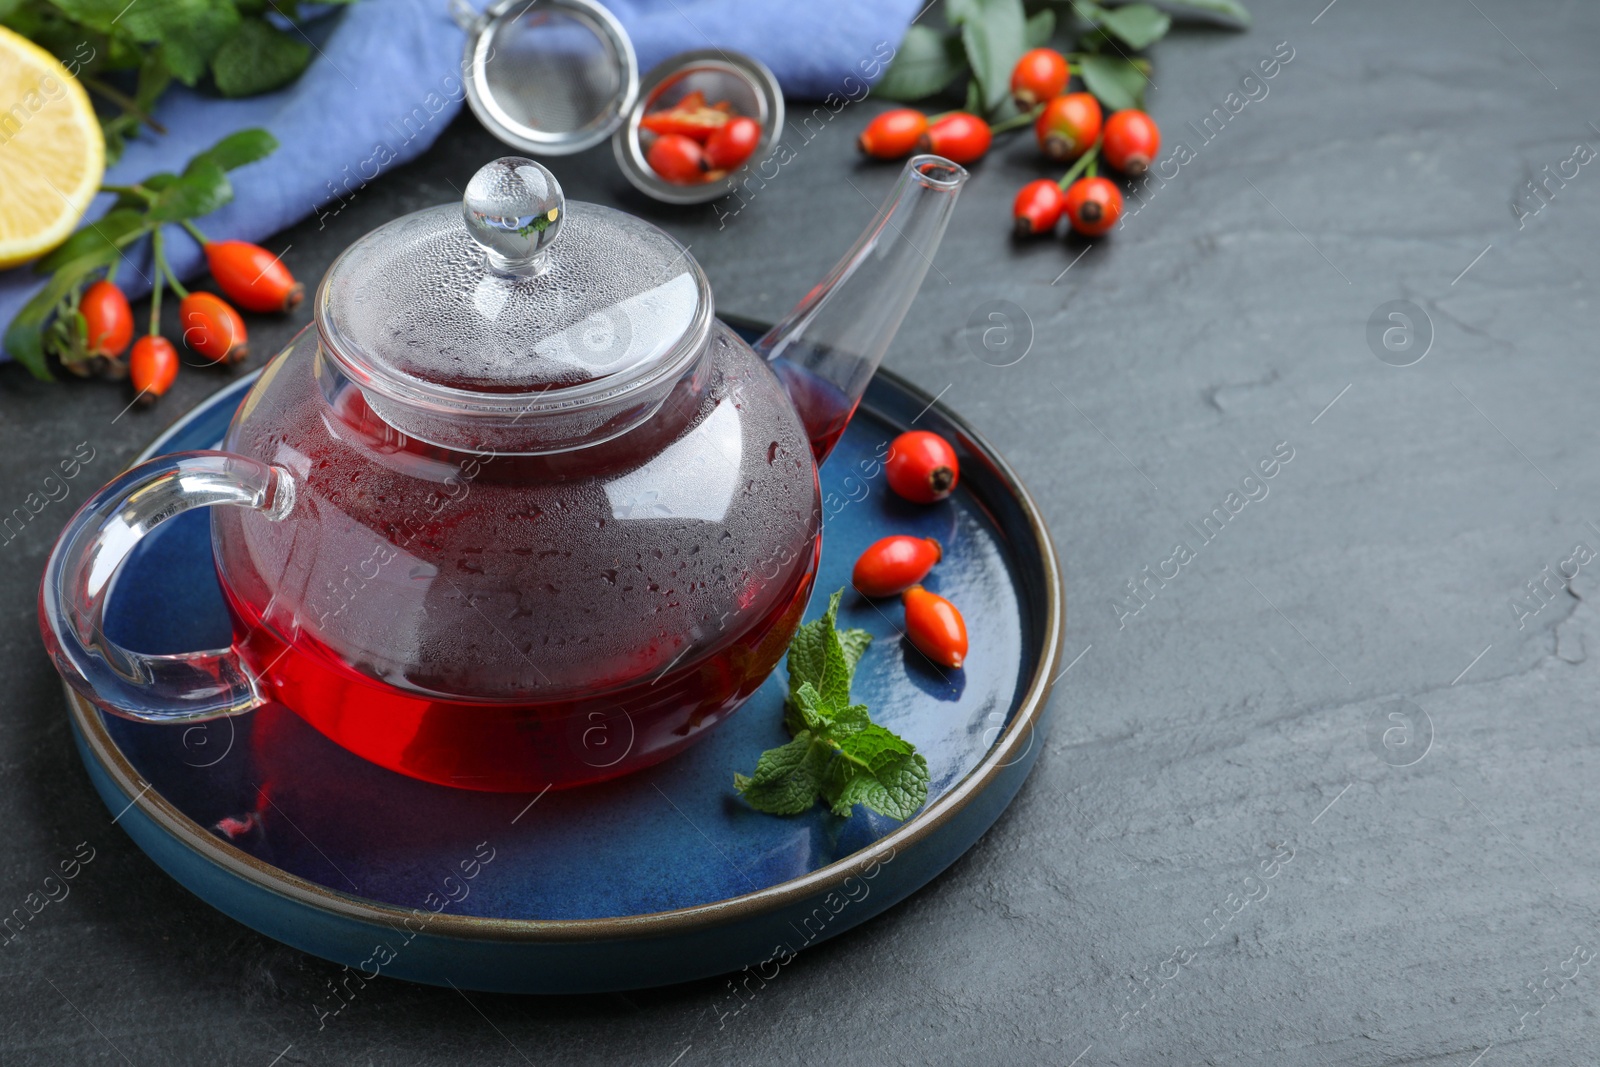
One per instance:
(809, 709)
(837, 750)
(1093, 40)
(849, 720)
(926, 62)
(1041, 26)
(258, 58)
(1116, 81)
(816, 656)
(113, 230)
(1229, 12)
(202, 189)
(95, 14)
(994, 35)
(24, 337)
(1138, 25)
(854, 644)
(787, 778)
(879, 770)
(806, 657)
(187, 32)
(240, 148)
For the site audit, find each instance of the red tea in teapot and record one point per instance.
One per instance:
(510, 622)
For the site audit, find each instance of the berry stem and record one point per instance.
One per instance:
(164, 268)
(1087, 160)
(194, 231)
(130, 190)
(172, 280)
(155, 287)
(128, 105)
(1017, 121)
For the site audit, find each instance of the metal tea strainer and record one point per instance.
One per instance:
(550, 77)
(553, 77)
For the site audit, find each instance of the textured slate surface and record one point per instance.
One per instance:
(1238, 727)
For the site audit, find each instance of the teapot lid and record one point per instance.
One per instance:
(518, 302)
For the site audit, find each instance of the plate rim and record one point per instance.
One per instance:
(1008, 749)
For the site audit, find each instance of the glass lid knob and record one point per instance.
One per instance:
(514, 210)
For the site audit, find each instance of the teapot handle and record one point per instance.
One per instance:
(186, 687)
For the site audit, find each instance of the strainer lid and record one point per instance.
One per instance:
(551, 77)
(517, 298)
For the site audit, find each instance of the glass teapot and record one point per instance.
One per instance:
(520, 511)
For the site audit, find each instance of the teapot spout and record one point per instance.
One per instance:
(826, 350)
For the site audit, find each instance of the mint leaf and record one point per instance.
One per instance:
(257, 58)
(809, 708)
(849, 720)
(787, 778)
(837, 750)
(816, 656)
(879, 770)
(186, 32)
(806, 656)
(854, 645)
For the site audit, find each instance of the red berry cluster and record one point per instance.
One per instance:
(1070, 126)
(958, 136)
(690, 142)
(922, 468)
(252, 277)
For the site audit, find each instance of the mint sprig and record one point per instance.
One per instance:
(838, 752)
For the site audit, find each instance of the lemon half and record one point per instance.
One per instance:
(52, 154)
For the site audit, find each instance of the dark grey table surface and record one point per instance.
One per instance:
(1327, 798)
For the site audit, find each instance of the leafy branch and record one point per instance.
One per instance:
(983, 39)
(50, 322)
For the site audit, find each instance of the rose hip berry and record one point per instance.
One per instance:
(1039, 75)
(252, 277)
(677, 159)
(212, 328)
(1130, 141)
(152, 367)
(935, 627)
(895, 564)
(689, 117)
(893, 134)
(958, 137)
(1068, 126)
(734, 143)
(1093, 205)
(1038, 207)
(922, 467)
(109, 319)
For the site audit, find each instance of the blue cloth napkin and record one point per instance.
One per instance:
(385, 81)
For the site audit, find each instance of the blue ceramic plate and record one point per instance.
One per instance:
(659, 877)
